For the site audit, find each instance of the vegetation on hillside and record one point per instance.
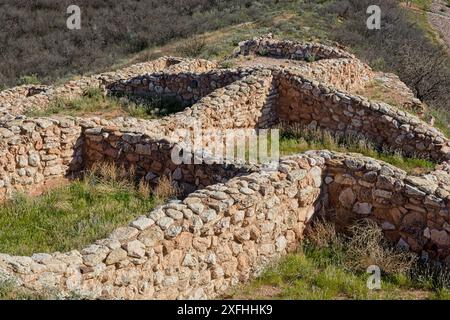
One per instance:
(405, 45)
(35, 44)
(35, 41)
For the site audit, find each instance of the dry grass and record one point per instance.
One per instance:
(367, 246)
(331, 265)
(165, 189)
(364, 246)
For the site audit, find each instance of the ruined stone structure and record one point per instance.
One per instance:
(235, 218)
(15, 101)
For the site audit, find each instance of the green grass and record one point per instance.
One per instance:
(324, 269)
(297, 139)
(72, 216)
(94, 102)
(311, 275)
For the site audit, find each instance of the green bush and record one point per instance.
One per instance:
(31, 79)
(192, 48)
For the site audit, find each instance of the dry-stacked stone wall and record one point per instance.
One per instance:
(195, 248)
(246, 103)
(152, 159)
(412, 211)
(225, 233)
(309, 102)
(268, 46)
(327, 64)
(16, 101)
(235, 218)
(343, 74)
(37, 150)
(187, 87)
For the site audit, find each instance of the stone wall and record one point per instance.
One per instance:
(195, 248)
(152, 159)
(227, 232)
(17, 100)
(326, 64)
(235, 218)
(186, 87)
(413, 211)
(34, 151)
(58, 147)
(247, 103)
(312, 103)
(343, 74)
(309, 51)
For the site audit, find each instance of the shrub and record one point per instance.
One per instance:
(31, 79)
(165, 189)
(363, 246)
(192, 48)
(367, 246)
(94, 93)
(311, 58)
(329, 265)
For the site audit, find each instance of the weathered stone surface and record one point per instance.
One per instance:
(116, 256)
(142, 223)
(124, 233)
(347, 198)
(135, 249)
(222, 233)
(362, 208)
(440, 237)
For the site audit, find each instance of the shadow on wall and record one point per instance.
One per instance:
(188, 87)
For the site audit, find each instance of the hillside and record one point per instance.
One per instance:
(34, 39)
(32, 52)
